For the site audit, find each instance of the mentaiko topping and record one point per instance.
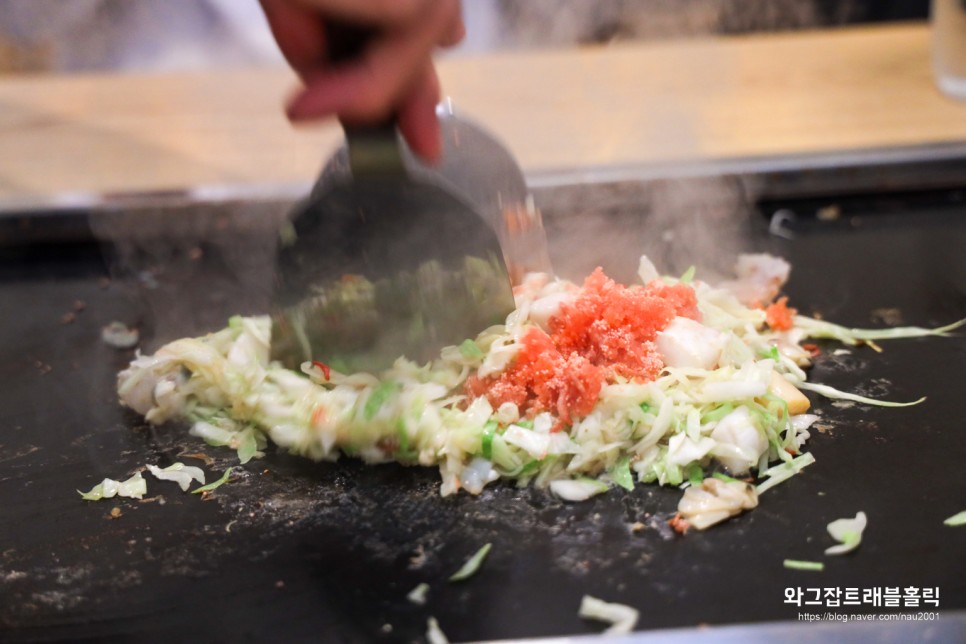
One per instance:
(607, 332)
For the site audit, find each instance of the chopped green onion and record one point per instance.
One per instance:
(796, 564)
(404, 450)
(471, 350)
(472, 564)
(674, 474)
(378, 397)
(645, 407)
(695, 474)
(717, 413)
(486, 440)
(688, 275)
(247, 446)
(214, 484)
(530, 467)
(957, 519)
(835, 394)
(621, 473)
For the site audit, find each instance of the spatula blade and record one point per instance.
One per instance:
(384, 266)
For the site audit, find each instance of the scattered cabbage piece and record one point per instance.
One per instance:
(957, 519)
(418, 594)
(784, 471)
(621, 473)
(622, 618)
(434, 634)
(179, 473)
(848, 532)
(472, 564)
(797, 564)
(577, 489)
(646, 270)
(120, 336)
(823, 329)
(214, 484)
(834, 394)
(133, 488)
(715, 500)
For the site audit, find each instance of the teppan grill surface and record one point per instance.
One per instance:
(293, 550)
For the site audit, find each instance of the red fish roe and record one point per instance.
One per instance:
(608, 331)
(779, 315)
(544, 379)
(614, 326)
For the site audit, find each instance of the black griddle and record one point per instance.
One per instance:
(292, 550)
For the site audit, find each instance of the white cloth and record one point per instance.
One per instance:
(147, 35)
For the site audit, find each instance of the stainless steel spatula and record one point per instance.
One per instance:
(382, 263)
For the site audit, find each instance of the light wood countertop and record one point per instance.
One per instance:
(724, 98)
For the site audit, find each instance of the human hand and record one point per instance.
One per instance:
(394, 74)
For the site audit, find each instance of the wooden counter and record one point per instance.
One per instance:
(655, 103)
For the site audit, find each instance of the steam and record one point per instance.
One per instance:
(677, 223)
(699, 222)
(682, 211)
(190, 265)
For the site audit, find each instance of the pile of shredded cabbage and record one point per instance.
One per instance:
(718, 410)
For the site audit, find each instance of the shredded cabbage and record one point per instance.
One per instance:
(957, 519)
(434, 634)
(179, 473)
(713, 409)
(473, 564)
(784, 471)
(418, 594)
(848, 532)
(579, 489)
(622, 618)
(133, 488)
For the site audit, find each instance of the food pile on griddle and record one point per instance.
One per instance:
(585, 387)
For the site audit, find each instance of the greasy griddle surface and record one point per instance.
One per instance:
(291, 549)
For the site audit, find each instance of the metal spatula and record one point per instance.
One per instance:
(383, 263)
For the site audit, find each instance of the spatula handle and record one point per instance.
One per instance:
(374, 149)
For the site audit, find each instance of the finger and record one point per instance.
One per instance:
(417, 118)
(299, 34)
(371, 88)
(384, 13)
(455, 33)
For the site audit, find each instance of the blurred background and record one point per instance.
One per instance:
(63, 36)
